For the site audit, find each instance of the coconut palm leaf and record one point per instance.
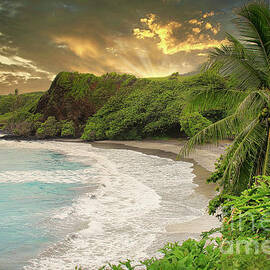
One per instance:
(220, 130)
(243, 152)
(213, 99)
(236, 60)
(254, 26)
(229, 126)
(252, 105)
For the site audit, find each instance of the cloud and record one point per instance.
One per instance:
(209, 14)
(21, 62)
(163, 32)
(16, 71)
(166, 34)
(79, 45)
(196, 30)
(41, 38)
(195, 21)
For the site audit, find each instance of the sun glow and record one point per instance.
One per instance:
(169, 43)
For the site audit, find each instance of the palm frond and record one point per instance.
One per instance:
(266, 165)
(243, 152)
(213, 99)
(222, 129)
(254, 25)
(252, 105)
(245, 113)
(236, 61)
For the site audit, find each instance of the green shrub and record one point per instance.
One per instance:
(146, 109)
(50, 128)
(194, 255)
(7, 103)
(68, 129)
(11, 103)
(192, 123)
(247, 215)
(152, 107)
(23, 123)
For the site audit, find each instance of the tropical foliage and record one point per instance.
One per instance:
(67, 129)
(248, 60)
(119, 106)
(149, 108)
(194, 255)
(12, 105)
(50, 128)
(192, 123)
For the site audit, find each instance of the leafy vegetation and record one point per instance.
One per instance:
(13, 104)
(119, 106)
(194, 255)
(76, 96)
(192, 123)
(67, 129)
(49, 129)
(148, 108)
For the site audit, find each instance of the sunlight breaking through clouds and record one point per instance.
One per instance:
(167, 39)
(38, 39)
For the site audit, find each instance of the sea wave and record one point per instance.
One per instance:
(136, 196)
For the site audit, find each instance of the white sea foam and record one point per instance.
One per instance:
(137, 195)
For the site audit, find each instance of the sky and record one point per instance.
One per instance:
(147, 38)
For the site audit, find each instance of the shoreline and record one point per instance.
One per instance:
(203, 160)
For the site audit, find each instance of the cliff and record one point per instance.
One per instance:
(76, 96)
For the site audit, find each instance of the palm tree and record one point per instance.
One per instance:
(247, 59)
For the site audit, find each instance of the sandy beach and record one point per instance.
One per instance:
(139, 201)
(203, 160)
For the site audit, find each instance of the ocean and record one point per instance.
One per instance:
(68, 204)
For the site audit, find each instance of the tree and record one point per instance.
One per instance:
(16, 92)
(247, 60)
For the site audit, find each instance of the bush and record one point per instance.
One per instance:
(148, 108)
(68, 129)
(192, 123)
(11, 103)
(23, 123)
(194, 255)
(247, 215)
(50, 128)
(152, 107)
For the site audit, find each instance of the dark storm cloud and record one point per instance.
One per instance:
(41, 38)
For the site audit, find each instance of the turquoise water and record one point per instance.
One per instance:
(21, 159)
(26, 207)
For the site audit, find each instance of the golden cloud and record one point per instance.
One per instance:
(169, 44)
(81, 47)
(196, 30)
(208, 26)
(209, 14)
(138, 55)
(196, 22)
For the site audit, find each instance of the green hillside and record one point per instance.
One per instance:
(111, 106)
(10, 104)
